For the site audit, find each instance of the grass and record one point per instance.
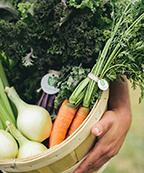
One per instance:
(130, 158)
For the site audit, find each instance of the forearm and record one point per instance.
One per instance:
(110, 130)
(119, 99)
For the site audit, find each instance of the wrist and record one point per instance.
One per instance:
(119, 100)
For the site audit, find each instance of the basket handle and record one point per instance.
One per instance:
(13, 166)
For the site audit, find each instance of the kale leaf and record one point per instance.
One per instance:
(49, 35)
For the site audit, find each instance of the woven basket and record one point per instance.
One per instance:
(67, 156)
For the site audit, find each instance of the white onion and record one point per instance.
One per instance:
(33, 121)
(8, 146)
(27, 147)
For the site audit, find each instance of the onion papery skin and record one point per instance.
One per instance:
(8, 146)
(30, 148)
(27, 148)
(35, 123)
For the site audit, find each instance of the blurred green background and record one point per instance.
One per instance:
(130, 158)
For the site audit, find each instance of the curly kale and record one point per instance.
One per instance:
(50, 35)
(58, 34)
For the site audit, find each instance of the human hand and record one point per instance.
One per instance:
(111, 131)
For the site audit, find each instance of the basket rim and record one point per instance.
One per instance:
(53, 151)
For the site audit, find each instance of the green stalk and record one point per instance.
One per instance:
(1, 125)
(78, 90)
(5, 115)
(16, 133)
(111, 57)
(104, 61)
(80, 97)
(134, 24)
(3, 76)
(79, 93)
(91, 87)
(100, 63)
(108, 43)
(5, 100)
(127, 32)
(6, 111)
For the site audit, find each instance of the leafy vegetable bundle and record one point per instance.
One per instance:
(43, 35)
(6, 111)
(123, 54)
(53, 34)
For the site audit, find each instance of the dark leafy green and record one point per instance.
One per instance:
(122, 54)
(54, 31)
(49, 35)
(52, 34)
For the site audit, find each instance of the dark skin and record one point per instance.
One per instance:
(111, 130)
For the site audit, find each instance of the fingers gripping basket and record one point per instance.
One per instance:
(65, 157)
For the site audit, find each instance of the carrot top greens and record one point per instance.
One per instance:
(123, 54)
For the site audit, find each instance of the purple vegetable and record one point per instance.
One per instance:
(40, 100)
(44, 102)
(47, 102)
(50, 103)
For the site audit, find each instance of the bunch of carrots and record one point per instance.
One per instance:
(69, 117)
(74, 110)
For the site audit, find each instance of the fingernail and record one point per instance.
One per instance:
(97, 130)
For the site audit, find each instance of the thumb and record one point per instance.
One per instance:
(103, 125)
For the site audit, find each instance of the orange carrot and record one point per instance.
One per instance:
(78, 119)
(62, 122)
